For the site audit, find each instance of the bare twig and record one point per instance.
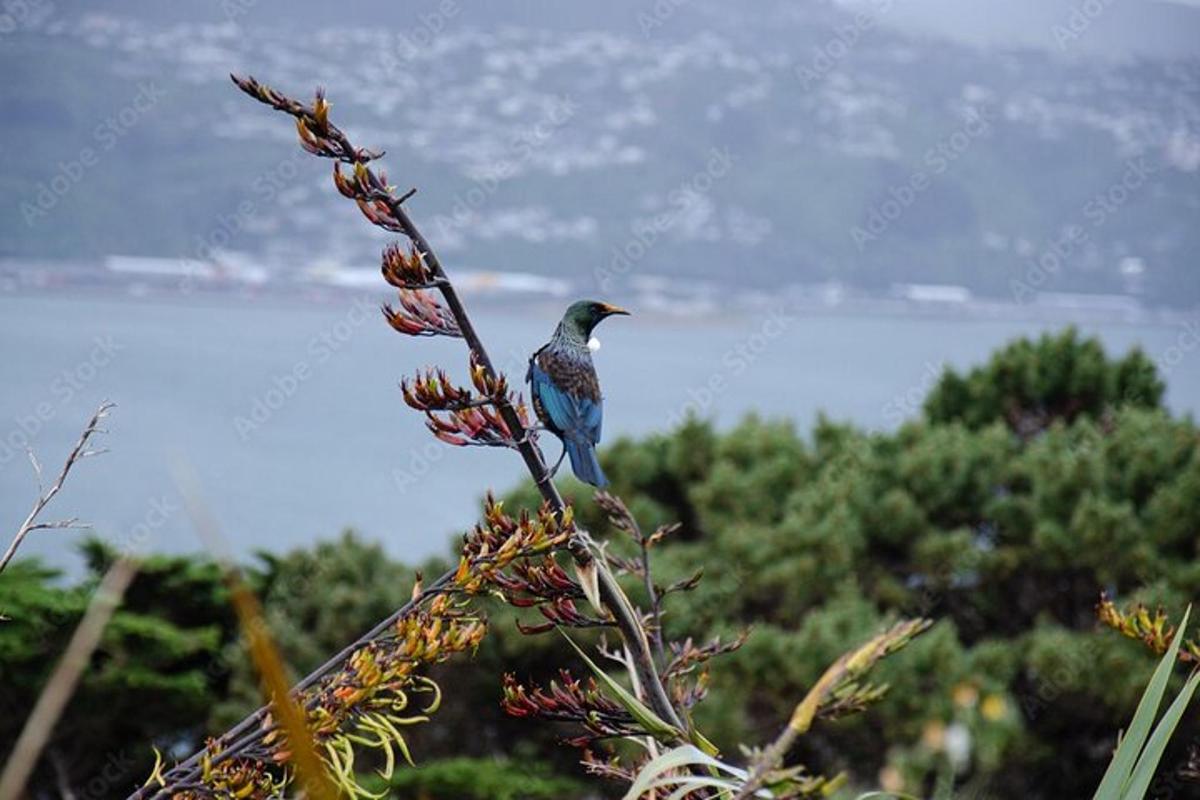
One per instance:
(66, 675)
(77, 454)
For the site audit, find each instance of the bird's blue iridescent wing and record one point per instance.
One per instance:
(572, 413)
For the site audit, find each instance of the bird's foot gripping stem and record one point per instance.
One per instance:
(557, 464)
(529, 436)
(552, 471)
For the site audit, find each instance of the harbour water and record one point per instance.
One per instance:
(290, 416)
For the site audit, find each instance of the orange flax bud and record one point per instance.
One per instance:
(307, 140)
(368, 210)
(344, 186)
(478, 376)
(402, 322)
(321, 112)
(409, 398)
(464, 568)
(448, 438)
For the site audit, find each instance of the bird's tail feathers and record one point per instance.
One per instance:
(584, 463)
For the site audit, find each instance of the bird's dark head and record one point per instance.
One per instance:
(585, 315)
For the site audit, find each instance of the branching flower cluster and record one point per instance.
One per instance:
(363, 703)
(419, 314)
(1152, 629)
(571, 700)
(500, 540)
(460, 417)
(362, 699)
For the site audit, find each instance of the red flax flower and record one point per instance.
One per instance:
(473, 425)
(433, 391)
(466, 421)
(570, 700)
(561, 612)
(406, 270)
(421, 314)
(499, 541)
(459, 416)
(535, 581)
(545, 585)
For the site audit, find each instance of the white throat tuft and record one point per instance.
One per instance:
(593, 344)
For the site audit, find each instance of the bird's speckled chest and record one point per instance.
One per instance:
(571, 370)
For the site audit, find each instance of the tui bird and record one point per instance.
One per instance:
(566, 392)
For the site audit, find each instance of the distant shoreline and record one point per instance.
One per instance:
(648, 306)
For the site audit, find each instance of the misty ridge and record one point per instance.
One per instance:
(639, 149)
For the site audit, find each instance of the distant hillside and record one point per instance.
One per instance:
(798, 145)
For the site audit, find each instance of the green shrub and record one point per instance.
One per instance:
(1002, 529)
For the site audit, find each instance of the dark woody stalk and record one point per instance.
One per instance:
(384, 208)
(471, 422)
(356, 699)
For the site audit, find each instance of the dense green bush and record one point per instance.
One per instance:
(484, 779)
(1027, 486)
(157, 671)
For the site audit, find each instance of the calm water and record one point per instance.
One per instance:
(291, 418)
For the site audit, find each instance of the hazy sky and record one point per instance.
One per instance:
(1118, 28)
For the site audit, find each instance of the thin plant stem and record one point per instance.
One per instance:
(581, 546)
(54, 697)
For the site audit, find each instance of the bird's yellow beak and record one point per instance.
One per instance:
(609, 310)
